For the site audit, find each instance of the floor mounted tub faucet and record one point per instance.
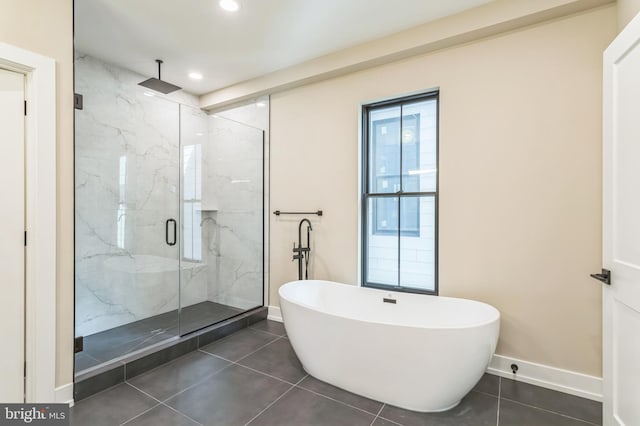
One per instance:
(302, 254)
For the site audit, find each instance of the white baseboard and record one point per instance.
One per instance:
(64, 394)
(566, 381)
(274, 314)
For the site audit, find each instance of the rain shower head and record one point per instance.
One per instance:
(158, 85)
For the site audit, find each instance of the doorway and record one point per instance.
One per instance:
(12, 245)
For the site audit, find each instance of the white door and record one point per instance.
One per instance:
(621, 228)
(12, 219)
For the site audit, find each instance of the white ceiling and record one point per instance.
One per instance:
(227, 48)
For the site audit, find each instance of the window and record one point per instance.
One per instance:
(400, 196)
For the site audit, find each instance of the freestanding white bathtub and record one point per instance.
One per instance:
(422, 353)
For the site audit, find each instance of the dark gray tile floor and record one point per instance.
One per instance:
(252, 377)
(119, 341)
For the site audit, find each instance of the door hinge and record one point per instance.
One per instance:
(77, 101)
(25, 107)
(78, 344)
(25, 369)
(25, 238)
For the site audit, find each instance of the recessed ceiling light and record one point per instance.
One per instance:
(149, 94)
(229, 5)
(195, 76)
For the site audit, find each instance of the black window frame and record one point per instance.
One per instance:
(366, 194)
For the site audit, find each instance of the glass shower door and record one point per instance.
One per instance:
(222, 219)
(126, 214)
(155, 227)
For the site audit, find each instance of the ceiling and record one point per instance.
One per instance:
(227, 48)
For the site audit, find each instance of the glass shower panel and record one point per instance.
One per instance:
(126, 207)
(222, 211)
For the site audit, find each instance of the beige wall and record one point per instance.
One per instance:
(627, 9)
(526, 242)
(520, 178)
(489, 19)
(46, 27)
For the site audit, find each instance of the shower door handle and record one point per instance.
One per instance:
(166, 232)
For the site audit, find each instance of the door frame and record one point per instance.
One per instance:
(40, 198)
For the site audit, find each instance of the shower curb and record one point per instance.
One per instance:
(117, 371)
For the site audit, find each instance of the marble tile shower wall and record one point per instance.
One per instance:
(127, 149)
(233, 166)
(194, 268)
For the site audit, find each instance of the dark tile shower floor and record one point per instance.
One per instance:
(120, 341)
(253, 377)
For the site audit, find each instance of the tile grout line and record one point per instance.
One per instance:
(267, 374)
(551, 412)
(296, 384)
(492, 395)
(341, 402)
(250, 368)
(181, 413)
(390, 421)
(141, 391)
(377, 415)
(499, 397)
(124, 365)
(231, 363)
(276, 400)
(93, 358)
(197, 383)
(285, 381)
(138, 415)
(97, 393)
(261, 347)
(198, 349)
(267, 332)
(203, 379)
(243, 357)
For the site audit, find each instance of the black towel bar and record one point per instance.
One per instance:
(278, 212)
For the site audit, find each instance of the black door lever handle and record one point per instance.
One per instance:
(166, 232)
(605, 276)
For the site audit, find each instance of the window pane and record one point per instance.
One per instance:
(417, 251)
(382, 248)
(419, 138)
(384, 150)
(385, 217)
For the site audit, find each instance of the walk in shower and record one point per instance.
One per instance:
(168, 215)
